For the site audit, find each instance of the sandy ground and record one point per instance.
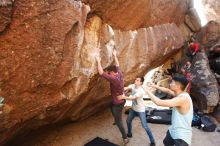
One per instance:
(77, 134)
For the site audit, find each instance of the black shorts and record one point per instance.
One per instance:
(169, 141)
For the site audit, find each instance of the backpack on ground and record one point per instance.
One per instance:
(207, 124)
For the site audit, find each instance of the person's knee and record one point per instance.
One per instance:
(117, 115)
(144, 125)
(118, 119)
(146, 128)
(128, 121)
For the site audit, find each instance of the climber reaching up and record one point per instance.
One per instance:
(114, 75)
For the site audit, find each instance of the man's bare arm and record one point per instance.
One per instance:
(163, 89)
(115, 57)
(100, 69)
(175, 102)
(126, 97)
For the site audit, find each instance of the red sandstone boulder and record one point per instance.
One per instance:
(48, 72)
(130, 15)
(211, 10)
(209, 35)
(204, 85)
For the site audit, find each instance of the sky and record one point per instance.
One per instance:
(200, 10)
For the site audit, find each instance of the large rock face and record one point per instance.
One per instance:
(212, 11)
(192, 20)
(204, 85)
(47, 66)
(36, 59)
(209, 36)
(129, 14)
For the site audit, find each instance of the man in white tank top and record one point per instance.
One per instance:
(180, 132)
